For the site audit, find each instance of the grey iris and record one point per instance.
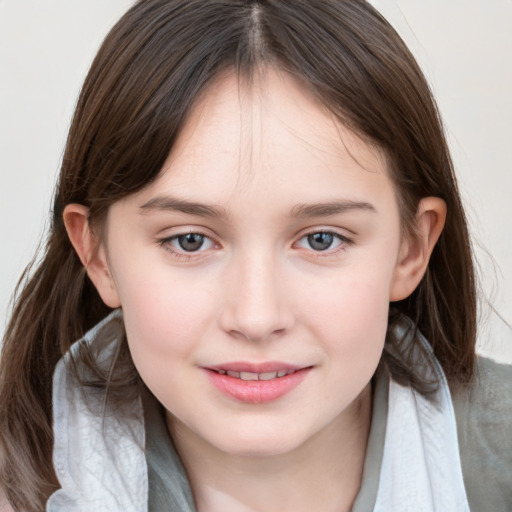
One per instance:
(191, 241)
(320, 241)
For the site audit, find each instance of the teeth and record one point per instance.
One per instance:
(268, 375)
(248, 376)
(255, 376)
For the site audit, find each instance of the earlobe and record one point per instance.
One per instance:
(91, 252)
(416, 250)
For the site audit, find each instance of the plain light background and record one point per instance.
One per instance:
(463, 46)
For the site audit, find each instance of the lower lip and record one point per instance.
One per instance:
(257, 391)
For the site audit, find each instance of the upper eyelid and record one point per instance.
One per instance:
(185, 233)
(176, 231)
(342, 237)
(333, 231)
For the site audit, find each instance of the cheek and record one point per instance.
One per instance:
(350, 313)
(166, 315)
(358, 321)
(363, 305)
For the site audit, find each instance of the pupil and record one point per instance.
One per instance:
(191, 241)
(320, 241)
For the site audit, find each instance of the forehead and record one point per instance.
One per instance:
(270, 133)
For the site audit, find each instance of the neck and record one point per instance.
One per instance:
(322, 474)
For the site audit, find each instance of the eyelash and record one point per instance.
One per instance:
(343, 242)
(166, 244)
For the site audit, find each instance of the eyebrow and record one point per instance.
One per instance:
(330, 208)
(302, 210)
(171, 204)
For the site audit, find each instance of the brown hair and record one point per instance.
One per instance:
(151, 67)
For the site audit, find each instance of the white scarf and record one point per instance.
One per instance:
(100, 461)
(99, 458)
(421, 469)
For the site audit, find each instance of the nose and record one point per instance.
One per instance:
(256, 303)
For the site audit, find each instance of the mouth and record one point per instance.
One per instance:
(256, 384)
(251, 376)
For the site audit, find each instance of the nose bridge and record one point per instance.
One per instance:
(256, 304)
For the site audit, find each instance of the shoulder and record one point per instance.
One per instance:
(487, 401)
(483, 411)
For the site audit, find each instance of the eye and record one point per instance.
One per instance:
(189, 242)
(322, 241)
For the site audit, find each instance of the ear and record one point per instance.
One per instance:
(415, 251)
(91, 252)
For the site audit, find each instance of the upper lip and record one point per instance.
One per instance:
(267, 367)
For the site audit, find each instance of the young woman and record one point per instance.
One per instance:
(256, 230)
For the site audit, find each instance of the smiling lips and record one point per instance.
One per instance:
(256, 376)
(256, 383)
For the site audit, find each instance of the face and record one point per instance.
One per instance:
(255, 273)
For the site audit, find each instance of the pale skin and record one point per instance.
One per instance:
(223, 259)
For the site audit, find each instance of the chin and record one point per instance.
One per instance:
(244, 443)
(259, 449)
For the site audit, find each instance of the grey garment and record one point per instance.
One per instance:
(169, 489)
(484, 423)
(365, 499)
(484, 427)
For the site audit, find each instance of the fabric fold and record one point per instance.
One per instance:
(421, 469)
(98, 453)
